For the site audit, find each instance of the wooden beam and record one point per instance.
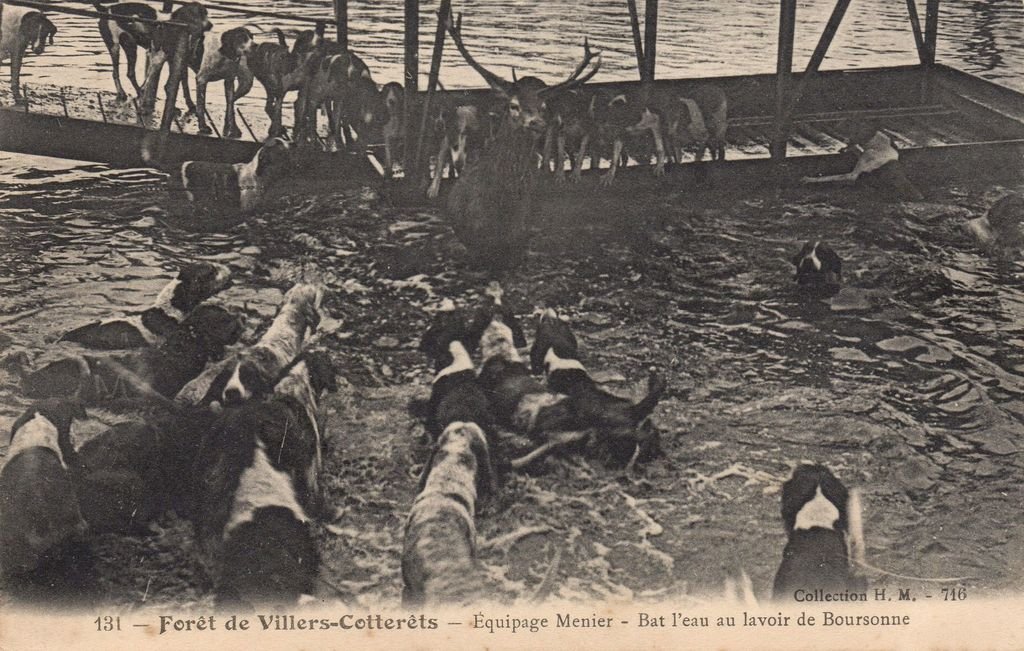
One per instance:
(650, 37)
(412, 67)
(931, 29)
(783, 74)
(341, 20)
(915, 26)
(820, 50)
(415, 163)
(638, 45)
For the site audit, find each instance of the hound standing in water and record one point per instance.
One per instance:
(241, 186)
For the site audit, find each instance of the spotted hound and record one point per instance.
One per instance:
(241, 186)
(194, 284)
(253, 372)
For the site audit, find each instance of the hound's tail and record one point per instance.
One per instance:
(655, 388)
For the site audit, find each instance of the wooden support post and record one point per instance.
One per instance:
(174, 80)
(341, 18)
(650, 37)
(915, 26)
(783, 73)
(415, 164)
(829, 33)
(931, 37)
(638, 45)
(931, 29)
(412, 68)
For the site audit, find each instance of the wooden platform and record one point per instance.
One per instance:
(945, 124)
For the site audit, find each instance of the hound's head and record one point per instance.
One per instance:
(814, 497)
(817, 263)
(462, 449)
(235, 43)
(197, 282)
(322, 371)
(214, 328)
(38, 31)
(553, 334)
(495, 327)
(306, 299)
(194, 14)
(274, 159)
(54, 414)
(448, 326)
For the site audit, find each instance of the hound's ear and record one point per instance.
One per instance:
(168, 7)
(518, 336)
(425, 473)
(321, 28)
(486, 479)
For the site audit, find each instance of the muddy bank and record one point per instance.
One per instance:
(908, 384)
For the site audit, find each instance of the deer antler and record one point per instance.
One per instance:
(574, 80)
(495, 82)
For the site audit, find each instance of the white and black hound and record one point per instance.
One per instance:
(818, 264)
(39, 516)
(22, 29)
(622, 428)
(519, 401)
(280, 70)
(164, 45)
(439, 550)
(161, 370)
(195, 283)
(241, 186)
(823, 522)
(123, 31)
(253, 530)
(221, 55)
(253, 372)
(455, 394)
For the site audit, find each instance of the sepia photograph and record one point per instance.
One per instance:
(511, 324)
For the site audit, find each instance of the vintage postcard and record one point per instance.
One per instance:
(493, 324)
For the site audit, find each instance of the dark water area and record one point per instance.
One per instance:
(913, 391)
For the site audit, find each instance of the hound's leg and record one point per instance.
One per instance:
(609, 177)
(231, 129)
(442, 156)
(577, 168)
(560, 161)
(186, 92)
(16, 74)
(115, 64)
(201, 104)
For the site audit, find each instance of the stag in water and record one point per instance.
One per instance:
(490, 205)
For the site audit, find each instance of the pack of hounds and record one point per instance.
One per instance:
(232, 438)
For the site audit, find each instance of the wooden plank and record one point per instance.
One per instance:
(931, 29)
(341, 21)
(638, 46)
(820, 50)
(783, 74)
(650, 37)
(915, 26)
(412, 66)
(418, 166)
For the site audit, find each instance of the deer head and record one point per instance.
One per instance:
(525, 97)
